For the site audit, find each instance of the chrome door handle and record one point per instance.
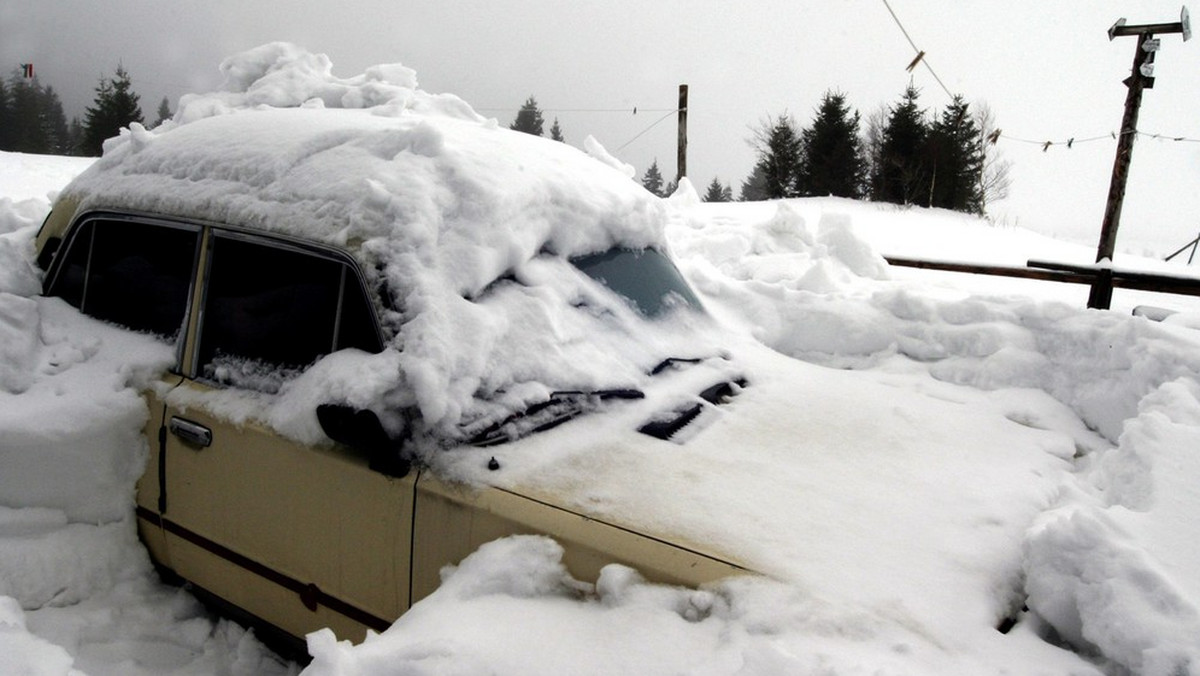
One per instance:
(192, 433)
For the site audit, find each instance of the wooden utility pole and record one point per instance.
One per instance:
(681, 156)
(1140, 79)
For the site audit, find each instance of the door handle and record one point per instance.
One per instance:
(192, 433)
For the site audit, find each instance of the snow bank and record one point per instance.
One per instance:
(1108, 568)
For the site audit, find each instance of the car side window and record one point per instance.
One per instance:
(130, 273)
(271, 309)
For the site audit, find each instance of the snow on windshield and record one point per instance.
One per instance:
(467, 226)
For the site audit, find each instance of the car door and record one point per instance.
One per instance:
(302, 536)
(138, 273)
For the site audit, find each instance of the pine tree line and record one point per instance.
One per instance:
(904, 156)
(32, 118)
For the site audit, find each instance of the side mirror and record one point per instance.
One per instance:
(361, 430)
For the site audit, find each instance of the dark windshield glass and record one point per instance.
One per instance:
(646, 277)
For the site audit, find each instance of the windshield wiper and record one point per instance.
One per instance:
(716, 395)
(562, 406)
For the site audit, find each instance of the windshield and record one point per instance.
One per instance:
(645, 277)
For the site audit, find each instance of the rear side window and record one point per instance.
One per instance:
(271, 309)
(130, 273)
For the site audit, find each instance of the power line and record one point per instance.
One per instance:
(639, 134)
(1072, 142)
(920, 58)
(634, 110)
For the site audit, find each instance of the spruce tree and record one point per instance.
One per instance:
(75, 137)
(831, 154)
(26, 127)
(955, 160)
(529, 118)
(164, 111)
(717, 192)
(902, 174)
(116, 106)
(54, 123)
(754, 188)
(653, 180)
(778, 145)
(6, 142)
(556, 132)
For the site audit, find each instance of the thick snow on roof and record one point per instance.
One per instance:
(434, 199)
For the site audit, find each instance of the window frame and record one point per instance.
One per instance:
(93, 219)
(187, 341)
(348, 266)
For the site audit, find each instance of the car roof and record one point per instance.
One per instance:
(440, 187)
(465, 222)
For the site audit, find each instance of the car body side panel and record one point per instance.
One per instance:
(454, 520)
(286, 515)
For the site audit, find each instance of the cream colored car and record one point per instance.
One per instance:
(346, 533)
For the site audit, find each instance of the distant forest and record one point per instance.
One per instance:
(32, 119)
(902, 154)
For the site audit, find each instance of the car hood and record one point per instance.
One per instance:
(844, 483)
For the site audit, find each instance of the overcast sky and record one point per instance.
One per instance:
(1046, 69)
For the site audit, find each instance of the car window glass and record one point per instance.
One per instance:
(646, 278)
(130, 273)
(271, 310)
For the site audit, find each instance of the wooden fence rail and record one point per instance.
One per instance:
(1066, 273)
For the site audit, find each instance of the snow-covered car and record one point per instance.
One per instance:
(348, 294)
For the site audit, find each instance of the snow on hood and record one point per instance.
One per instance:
(465, 223)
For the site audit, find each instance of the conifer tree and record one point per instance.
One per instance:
(31, 117)
(6, 124)
(754, 188)
(653, 180)
(529, 118)
(556, 131)
(779, 152)
(955, 160)
(26, 128)
(116, 106)
(53, 122)
(831, 154)
(901, 172)
(75, 137)
(164, 111)
(717, 192)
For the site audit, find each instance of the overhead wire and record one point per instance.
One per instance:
(922, 58)
(642, 132)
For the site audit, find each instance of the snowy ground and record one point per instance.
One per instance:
(975, 445)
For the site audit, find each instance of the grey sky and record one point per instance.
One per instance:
(1047, 70)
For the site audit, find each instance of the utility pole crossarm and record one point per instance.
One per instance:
(1120, 28)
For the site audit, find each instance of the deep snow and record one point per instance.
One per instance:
(971, 444)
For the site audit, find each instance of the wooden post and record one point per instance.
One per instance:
(1101, 294)
(681, 156)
